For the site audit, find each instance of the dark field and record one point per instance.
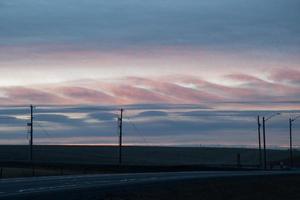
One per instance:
(66, 160)
(134, 155)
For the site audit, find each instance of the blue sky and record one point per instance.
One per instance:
(174, 125)
(268, 24)
(218, 58)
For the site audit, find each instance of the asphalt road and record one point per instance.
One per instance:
(10, 188)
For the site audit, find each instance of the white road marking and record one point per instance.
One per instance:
(45, 188)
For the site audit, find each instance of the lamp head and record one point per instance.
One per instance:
(273, 116)
(295, 118)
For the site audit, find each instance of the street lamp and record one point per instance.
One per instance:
(264, 137)
(291, 120)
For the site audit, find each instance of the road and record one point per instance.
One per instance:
(36, 185)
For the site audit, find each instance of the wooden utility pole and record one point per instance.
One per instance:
(259, 141)
(120, 121)
(31, 134)
(291, 143)
(238, 160)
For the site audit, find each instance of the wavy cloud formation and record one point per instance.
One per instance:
(174, 90)
(291, 76)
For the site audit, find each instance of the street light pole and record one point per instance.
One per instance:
(264, 141)
(264, 137)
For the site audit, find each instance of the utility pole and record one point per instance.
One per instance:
(259, 140)
(31, 134)
(120, 120)
(291, 139)
(264, 141)
(238, 160)
(291, 143)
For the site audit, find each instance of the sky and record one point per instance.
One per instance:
(205, 56)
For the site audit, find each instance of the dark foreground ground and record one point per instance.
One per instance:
(140, 155)
(247, 188)
(68, 160)
(277, 187)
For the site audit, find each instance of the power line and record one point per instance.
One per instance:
(137, 130)
(43, 129)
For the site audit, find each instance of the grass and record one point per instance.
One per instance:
(140, 155)
(70, 156)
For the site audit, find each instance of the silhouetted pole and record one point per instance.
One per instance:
(291, 140)
(259, 141)
(120, 119)
(31, 134)
(291, 143)
(238, 160)
(264, 137)
(264, 141)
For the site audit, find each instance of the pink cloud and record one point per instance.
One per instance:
(176, 92)
(129, 94)
(266, 90)
(244, 78)
(133, 90)
(285, 75)
(22, 95)
(184, 94)
(85, 95)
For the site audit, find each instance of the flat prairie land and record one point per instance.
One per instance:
(141, 155)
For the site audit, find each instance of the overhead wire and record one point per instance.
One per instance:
(137, 130)
(43, 129)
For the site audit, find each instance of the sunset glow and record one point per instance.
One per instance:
(212, 54)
